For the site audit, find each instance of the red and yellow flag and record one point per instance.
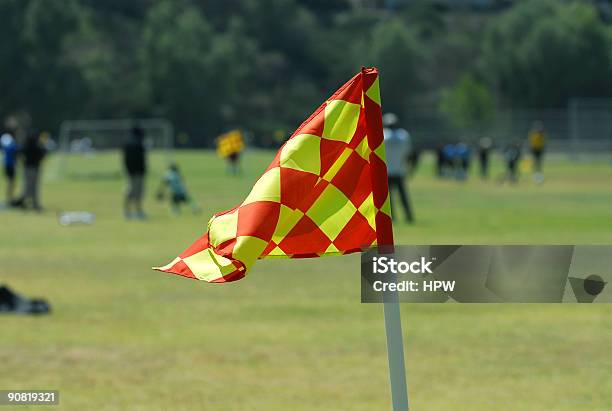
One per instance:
(325, 193)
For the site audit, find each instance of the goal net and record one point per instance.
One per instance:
(590, 122)
(92, 148)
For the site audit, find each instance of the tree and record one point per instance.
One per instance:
(394, 50)
(288, 67)
(48, 86)
(542, 53)
(12, 59)
(104, 50)
(469, 104)
(176, 42)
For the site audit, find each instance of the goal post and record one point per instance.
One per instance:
(590, 124)
(91, 142)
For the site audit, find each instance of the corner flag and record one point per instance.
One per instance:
(324, 194)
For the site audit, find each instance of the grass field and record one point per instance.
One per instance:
(293, 334)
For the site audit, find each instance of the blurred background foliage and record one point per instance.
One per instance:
(208, 65)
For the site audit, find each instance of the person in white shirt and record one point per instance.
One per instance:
(397, 147)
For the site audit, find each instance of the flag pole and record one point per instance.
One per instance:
(384, 237)
(395, 353)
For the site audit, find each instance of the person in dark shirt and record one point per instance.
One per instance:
(484, 148)
(440, 160)
(512, 156)
(32, 154)
(134, 161)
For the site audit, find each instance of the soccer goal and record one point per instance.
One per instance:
(590, 121)
(91, 148)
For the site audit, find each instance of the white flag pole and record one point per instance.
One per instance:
(395, 353)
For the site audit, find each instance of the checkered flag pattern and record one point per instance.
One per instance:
(230, 143)
(324, 194)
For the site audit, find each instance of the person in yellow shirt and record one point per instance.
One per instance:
(537, 144)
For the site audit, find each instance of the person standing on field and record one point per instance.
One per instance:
(537, 144)
(135, 164)
(484, 149)
(397, 146)
(33, 153)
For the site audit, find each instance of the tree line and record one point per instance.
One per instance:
(209, 65)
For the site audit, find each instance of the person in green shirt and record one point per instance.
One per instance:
(172, 181)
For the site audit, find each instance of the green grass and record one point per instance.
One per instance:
(293, 334)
